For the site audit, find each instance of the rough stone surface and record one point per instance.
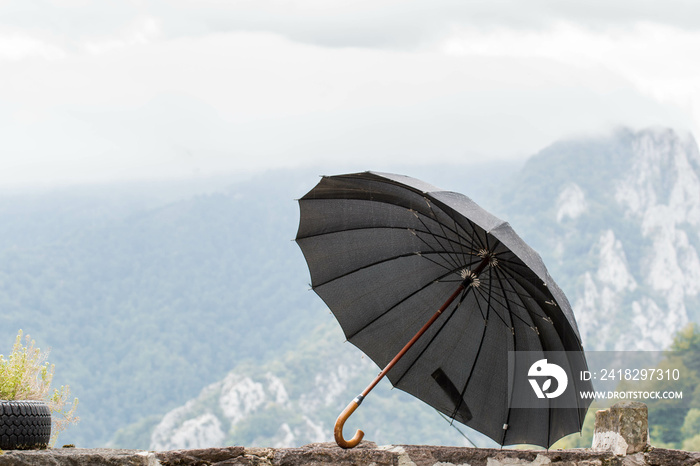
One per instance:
(366, 454)
(623, 428)
(199, 456)
(329, 453)
(78, 457)
(662, 457)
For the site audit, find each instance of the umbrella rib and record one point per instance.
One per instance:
(481, 293)
(345, 230)
(475, 235)
(454, 311)
(515, 265)
(424, 256)
(400, 256)
(548, 299)
(454, 262)
(456, 232)
(398, 303)
(464, 257)
(510, 276)
(471, 235)
(505, 431)
(521, 306)
(503, 299)
(513, 278)
(435, 251)
(461, 245)
(427, 231)
(478, 351)
(488, 303)
(417, 215)
(550, 411)
(442, 228)
(508, 261)
(507, 303)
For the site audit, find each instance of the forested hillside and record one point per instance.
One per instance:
(147, 292)
(144, 301)
(616, 220)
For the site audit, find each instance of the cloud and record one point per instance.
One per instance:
(650, 57)
(403, 24)
(409, 24)
(16, 46)
(140, 31)
(250, 101)
(96, 91)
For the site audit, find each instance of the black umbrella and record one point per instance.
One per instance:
(384, 251)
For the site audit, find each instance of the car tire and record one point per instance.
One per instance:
(24, 425)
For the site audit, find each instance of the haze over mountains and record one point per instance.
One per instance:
(147, 294)
(616, 221)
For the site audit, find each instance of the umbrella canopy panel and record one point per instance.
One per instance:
(384, 251)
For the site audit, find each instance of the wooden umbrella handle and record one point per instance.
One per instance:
(340, 422)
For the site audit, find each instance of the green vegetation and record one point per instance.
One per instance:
(672, 423)
(26, 375)
(145, 299)
(320, 377)
(676, 423)
(148, 292)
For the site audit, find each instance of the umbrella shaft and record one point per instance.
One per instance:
(423, 329)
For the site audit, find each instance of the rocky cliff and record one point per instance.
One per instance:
(616, 221)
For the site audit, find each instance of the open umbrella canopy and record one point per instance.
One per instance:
(386, 251)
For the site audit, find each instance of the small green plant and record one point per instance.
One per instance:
(26, 375)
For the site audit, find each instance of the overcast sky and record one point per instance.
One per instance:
(92, 91)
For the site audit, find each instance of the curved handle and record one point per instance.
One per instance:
(340, 422)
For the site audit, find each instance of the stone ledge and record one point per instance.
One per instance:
(328, 453)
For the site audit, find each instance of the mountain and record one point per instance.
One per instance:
(145, 297)
(180, 314)
(148, 291)
(615, 219)
(295, 399)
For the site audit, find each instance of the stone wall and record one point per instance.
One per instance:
(620, 439)
(329, 454)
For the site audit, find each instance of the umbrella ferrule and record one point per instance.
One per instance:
(358, 399)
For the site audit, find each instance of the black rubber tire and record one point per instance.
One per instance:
(24, 425)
